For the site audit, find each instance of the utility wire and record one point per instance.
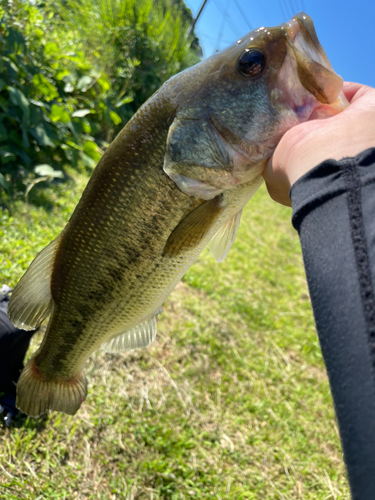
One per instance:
(293, 7)
(282, 9)
(302, 5)
(225, 40)
(227, 19)
(243, 15)
(194, 21)
(297, 4)
(288, 8)
(221, 30)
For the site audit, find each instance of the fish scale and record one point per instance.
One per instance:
(140, 232)
(176, 177)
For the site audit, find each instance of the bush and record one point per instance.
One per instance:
(137, 44)
(43, 119)
(65, 92)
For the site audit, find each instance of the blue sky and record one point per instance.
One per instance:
(346, 29)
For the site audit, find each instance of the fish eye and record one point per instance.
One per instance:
(251, 62)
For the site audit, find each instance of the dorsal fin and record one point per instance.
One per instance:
(31, 301)
(137, 337)
(223, 240)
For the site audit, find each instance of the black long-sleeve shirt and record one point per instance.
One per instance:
(334, 214)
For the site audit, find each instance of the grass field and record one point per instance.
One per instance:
(230, 402)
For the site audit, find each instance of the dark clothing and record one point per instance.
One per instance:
(334, 214)
(13, 346)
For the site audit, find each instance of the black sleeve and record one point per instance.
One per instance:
(334, 214)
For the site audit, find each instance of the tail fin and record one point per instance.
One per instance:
(36, 394)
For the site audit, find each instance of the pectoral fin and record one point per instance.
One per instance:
(31, 300)
(223, 240)
(140, 336)
(193, 228)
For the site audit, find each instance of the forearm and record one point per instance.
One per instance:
(334, 213)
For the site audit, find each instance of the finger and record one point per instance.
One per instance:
(350, 89)
(279, 195)
(276, 182)
(353, 90)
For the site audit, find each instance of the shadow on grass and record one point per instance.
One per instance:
(21, 420)
(42, 195)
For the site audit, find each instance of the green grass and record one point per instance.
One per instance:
(230, 402)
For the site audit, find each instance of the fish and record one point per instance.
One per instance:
(174, 181)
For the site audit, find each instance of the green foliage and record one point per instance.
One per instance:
(37, 121)
(72, 73)
(137, 44)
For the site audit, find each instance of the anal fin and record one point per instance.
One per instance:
(31, 300)
(223, 240)
(137, 337)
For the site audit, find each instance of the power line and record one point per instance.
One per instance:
(293, 8)
(221, 30)
(301, 5)
(243, 15)
(194, 21)
(297, 5)
(225, 40)
(288, 8)
(283, 13)
(227, 19)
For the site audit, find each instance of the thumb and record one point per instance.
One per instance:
(277, 183)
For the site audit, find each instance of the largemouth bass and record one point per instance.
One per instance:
(176, 177)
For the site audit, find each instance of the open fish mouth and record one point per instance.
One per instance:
(313, 68)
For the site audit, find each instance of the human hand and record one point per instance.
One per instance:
(308, 144)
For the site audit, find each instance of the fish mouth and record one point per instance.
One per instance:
(314, 70)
